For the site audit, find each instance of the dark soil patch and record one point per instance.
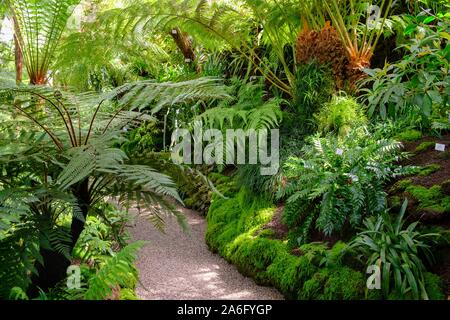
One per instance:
(279, 229)
(424, 158)
(345, 235)
(430, 157)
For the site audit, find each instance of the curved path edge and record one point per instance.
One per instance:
(178, 266)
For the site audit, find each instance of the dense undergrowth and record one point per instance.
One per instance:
(91, 92)
(237, 231)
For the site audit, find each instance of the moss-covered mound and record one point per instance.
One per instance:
(428, 191)
(235, 231)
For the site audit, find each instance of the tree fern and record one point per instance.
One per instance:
(219, 25)
(40, 26)
(74, 160)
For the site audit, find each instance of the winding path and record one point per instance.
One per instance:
(176, 265)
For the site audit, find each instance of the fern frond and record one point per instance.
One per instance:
(40, 25)
(149, 179)
(113, 273)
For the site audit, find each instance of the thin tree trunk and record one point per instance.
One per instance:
(18, 54)
(184, 43)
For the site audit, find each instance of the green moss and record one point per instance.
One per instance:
(424, 146)
(427, 170)
(241, 214)
(225, 211)
(288, 272)
(409, 135)
(313, 288)
(234, 231)
(444, 155)
(211, 236)
(431, 199)
(446, 187)
(336, 255)
(344, 284)
(434, 286)
(314, 251)
(395, 202)
(253, 258)
(400, 186)
(340, 283)
(267, 233)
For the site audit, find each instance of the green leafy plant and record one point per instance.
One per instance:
(74, 160)
(337, 181)
(114, 272)
(39, 26)
(313, 87)
(397, 249)
(19, 249)
(419, 82)
(340, 115)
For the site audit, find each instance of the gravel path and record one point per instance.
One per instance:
(176, 265)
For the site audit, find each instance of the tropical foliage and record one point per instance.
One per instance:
(92, 92)
(396, 248)
(339, 181)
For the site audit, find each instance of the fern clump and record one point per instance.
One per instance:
(248, 109)
(337, 182)
(340, 115)
(113, 273)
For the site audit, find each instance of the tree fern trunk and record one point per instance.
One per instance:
(18, 54)
(50, 273)
(55, 264)
(81, 192)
